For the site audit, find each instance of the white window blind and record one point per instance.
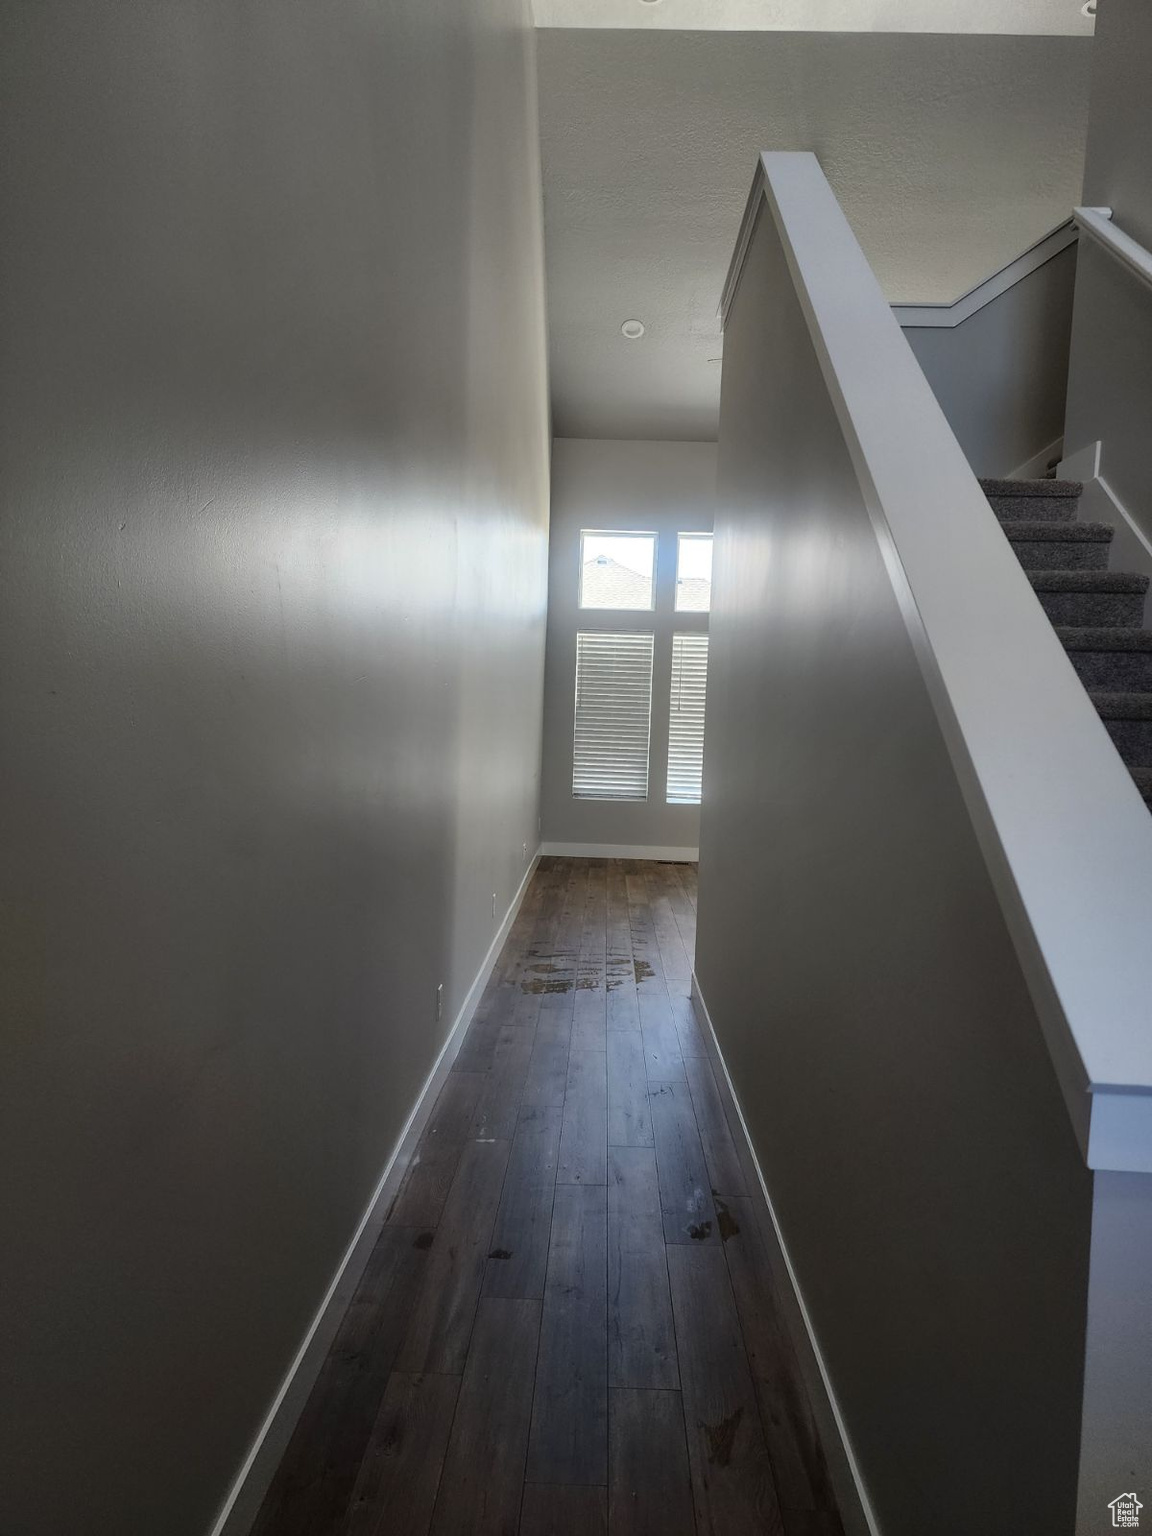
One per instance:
(613, 716)
(686, 719)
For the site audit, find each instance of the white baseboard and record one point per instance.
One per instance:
(855, 1507)
(620, 851)
(1131, 550)
(1036, 468)
(251, 1482)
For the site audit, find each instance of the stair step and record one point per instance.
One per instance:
(1033, 500)
(1110, 659)
(1143, 777)
(1063, 546)
(1136, 705)
(1128, 719)
(1096, 598)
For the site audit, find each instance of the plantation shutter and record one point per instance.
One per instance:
(613, 716)
(686, 720)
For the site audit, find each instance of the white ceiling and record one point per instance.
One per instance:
(1022, 17)
(950, 155)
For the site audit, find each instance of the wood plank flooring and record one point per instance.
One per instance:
(569, 1325)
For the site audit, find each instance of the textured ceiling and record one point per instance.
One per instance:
(950, 155)
(1056, 17)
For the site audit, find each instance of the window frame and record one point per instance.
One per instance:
(618, 533)
(681, 538)
(659, 623)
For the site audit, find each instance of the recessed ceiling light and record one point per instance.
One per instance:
(649, 2)
(633, 329)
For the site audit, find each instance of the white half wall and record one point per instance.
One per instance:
(858, 968)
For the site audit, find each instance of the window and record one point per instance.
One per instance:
(694, 573)
(617, 570)
(686, 718)
(613, 715)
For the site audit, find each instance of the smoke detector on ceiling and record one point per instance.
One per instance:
(1089, 8)
(633, 329)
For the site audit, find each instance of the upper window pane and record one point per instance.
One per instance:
(616, 570)
(694, 573)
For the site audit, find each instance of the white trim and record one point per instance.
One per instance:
(1083, 465)
(251, 1482)
(856, 1502)
(1065, 836)
(917, 316)
(1131, 550)
(988, 18)
(1118, 1138)
(1098, 226)
(945, 315)
(1038, 465)
(620, 851)
(740, 252)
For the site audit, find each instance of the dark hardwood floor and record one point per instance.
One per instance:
(569, 1324)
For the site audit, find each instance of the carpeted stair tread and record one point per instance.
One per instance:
(1085, 596)
(1022, 531)
(1018, 509)
(1109, 660)
(1033, 500)
(1123, 706)
(1061, 489)
(1077, 638)
(1088, 581)
(1059, 546)
(1097, 613)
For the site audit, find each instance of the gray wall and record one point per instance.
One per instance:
(666, 488)
(273, 585)
(1001, 375)
(1110, 375)
(865, 992)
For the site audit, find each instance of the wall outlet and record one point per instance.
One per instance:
(524, 849)
(439, 1002)
(493, 903)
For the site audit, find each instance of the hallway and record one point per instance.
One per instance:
(568, 1324)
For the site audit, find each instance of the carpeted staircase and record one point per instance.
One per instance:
(1098, 613)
